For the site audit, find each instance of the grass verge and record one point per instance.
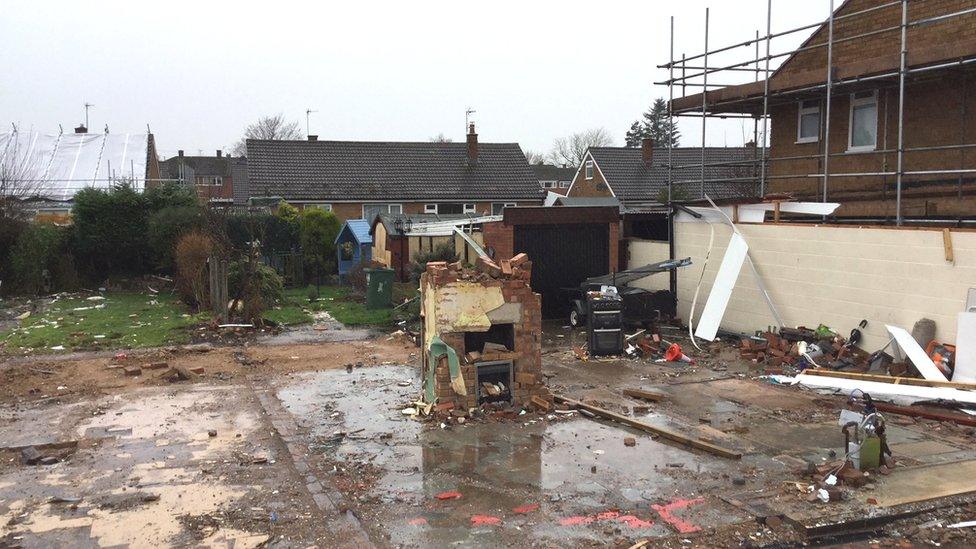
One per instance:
(120, 320)
(340, 302)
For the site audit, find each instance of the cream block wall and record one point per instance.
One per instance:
(833, 275)
(645, 252)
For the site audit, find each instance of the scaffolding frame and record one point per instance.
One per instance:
(702, 69)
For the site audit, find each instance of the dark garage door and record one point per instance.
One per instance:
(563, 256)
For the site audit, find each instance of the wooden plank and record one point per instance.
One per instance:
(947, 243)
(915, 411)
(660, 431)
(891, 379)
(653, 396)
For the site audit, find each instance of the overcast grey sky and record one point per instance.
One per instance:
(199, 72)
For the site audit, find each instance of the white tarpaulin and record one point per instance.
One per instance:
(57, 166)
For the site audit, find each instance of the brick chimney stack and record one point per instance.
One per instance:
(81, 129)
(218, 153)
(647, 150)
(180, 152)
(472, 144)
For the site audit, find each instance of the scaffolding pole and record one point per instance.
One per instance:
(704, 107)
(830, 85)
(765, 116)
(901, 110)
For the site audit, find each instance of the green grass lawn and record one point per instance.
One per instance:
(122, 320)
(340, 302)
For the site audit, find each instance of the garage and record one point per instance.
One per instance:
(566, 245)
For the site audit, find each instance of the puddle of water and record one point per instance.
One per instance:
(570, 466)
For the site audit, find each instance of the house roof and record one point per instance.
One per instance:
(205, 166)
(367, 170)
(238, 171)
(359, 228)
(631, 179)
(587, 201)
(60, 165)
(545, 172)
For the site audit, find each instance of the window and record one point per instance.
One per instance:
(370, 211)
(589, 169)
(209, 181)
(549, 184)
(326, 207)
(497, 207)
(863, 134)
(449, 208)
(808, 122)
(565, 184)
(469, 208)
(430, 208)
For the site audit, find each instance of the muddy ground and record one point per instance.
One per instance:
(290, 444)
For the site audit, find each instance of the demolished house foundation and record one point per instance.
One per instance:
(481, 336)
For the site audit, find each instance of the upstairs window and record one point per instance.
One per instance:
(863, 135)
(565, 184)
(589, 169)
(808, 122)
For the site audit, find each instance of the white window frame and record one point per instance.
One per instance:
(320, 206)
(565, 184)
(503, 205)
(430, 208)
(390, 207)
(470, 208)
(857, 102)
(800, 112)
(588, 170)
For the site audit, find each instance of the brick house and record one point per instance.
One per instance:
(553, 178)
(362, 179)
(211, 176)
(939, 115)
(639, 176)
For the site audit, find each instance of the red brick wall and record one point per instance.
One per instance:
(596, 186)
(500, 237)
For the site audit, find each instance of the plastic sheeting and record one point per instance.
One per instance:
(58, 166)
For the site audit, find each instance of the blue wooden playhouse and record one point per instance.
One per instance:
(353, 245)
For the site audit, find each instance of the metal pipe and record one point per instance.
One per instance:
(704, 107)
(765, 117)
(671, 123)
(830, 84)
(901, 110)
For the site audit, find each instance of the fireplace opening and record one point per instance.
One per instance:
(500, 334)
(494, 381)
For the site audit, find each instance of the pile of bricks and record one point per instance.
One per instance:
(512, 277)
(781, 349)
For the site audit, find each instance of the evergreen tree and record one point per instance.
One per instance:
(657, 126)
(635, 134)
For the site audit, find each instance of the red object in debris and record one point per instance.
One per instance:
(419, 521)
(674, 354)
(121, 356)
(527, 508)
(678, 524)
(575, 521)
(485, 520)
(607, 515)
(634, 522)
(448, 495)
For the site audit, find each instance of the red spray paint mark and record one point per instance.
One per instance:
(485, 520)
(678, 524)
(634, 522)
(448, 495)
(419, 521)
(526, 509)
(630, 520)
(575, 521)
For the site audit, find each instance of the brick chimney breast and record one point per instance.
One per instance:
(472, 144)
(218, 153)
(647, 150)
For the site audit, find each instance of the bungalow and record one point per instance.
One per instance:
(863, 168)
(362, 179)
(638, 177)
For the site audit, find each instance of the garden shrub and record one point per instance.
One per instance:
(36, 260)
(317, 231)
(268, 282)
(10, 230)
(356, 277)
(164, 229)
(441, 252)
(192, 282)
(274, 233)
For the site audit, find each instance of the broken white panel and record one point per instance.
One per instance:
(965, 370)
(756, 213)
(916, 353)
(718, 298)
(807, 208)
(880, 390)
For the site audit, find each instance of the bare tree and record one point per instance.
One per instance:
(268, 127)
(20, 180)
(569, 151)
(534, 158)
(441, 138)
